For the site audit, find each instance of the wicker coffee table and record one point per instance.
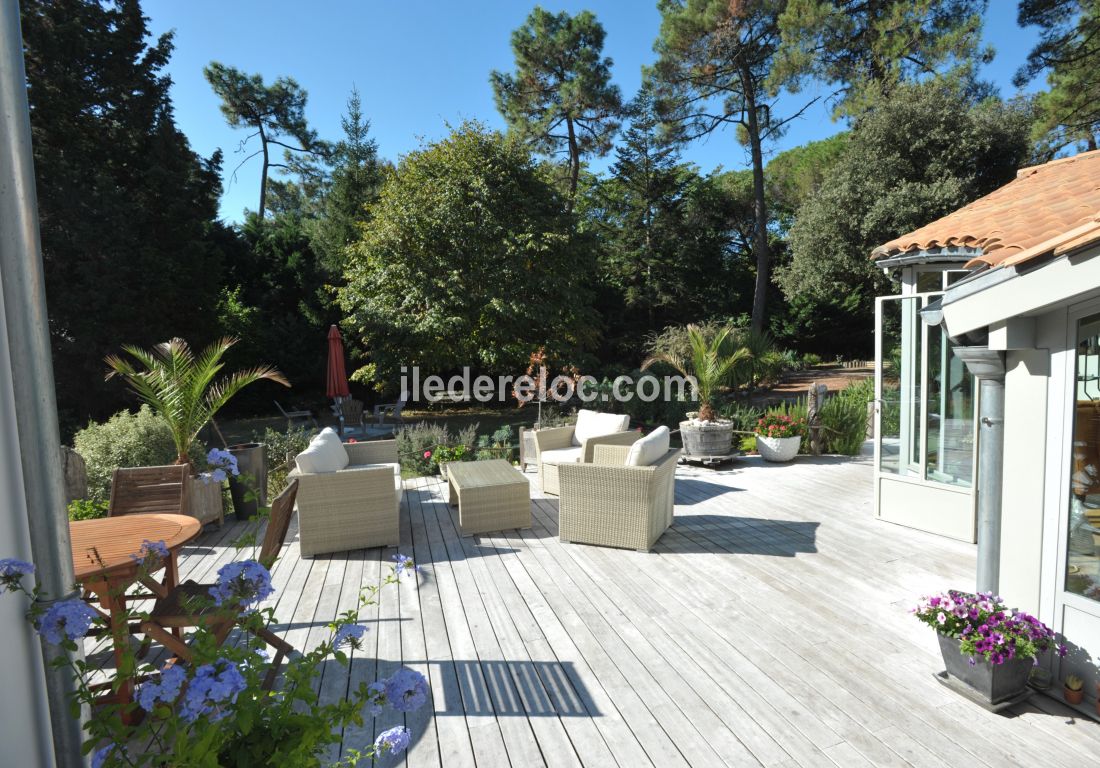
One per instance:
(491, 496)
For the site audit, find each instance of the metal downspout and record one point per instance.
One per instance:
(989, 368)
(24, 291)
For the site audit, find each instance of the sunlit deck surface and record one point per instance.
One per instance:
(769, 627)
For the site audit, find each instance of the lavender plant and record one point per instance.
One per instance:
(214, 711)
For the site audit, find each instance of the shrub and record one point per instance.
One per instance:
(796, 412)
(498, 445)
(422, 446)
(86, 509)
(282, 447)
(810, 359)
(140, 439)
(658, 411)
(844, 418)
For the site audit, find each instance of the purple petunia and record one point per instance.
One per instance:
(406, 690)
(392, 742)
(68, 618)
(349, 634)
(214, 686)
(241, 583)
(163, 691)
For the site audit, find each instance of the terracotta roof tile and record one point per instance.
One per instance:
(1026, 218)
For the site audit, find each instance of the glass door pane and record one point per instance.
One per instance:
(949, 409)
(898, 375)
(1083, 556)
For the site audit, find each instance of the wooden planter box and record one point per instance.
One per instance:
(204, 501)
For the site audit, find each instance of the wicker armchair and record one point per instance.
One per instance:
(561, 438)
(613, 505)
(354, 508)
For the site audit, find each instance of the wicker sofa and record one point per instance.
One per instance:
(574, 444)
(609, 503)
(350, 507)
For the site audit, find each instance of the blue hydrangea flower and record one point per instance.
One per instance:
(392, 742)
(213, 687)
(241, 583)
(12, 570)
(406, 690)
(156, 549)
(376, 697)
(349, 634)
(69, 618)
(404, 564)
(165, 690)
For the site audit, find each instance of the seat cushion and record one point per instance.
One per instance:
(649, 449)
(595, 424)
(325, 453)
(562, 456)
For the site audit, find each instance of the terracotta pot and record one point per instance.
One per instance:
(1073, 697)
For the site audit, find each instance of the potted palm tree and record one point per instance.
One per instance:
(182, 389)
(708, 361)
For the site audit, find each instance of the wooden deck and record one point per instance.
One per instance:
(769, 627)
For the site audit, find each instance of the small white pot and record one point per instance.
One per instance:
(778, 448)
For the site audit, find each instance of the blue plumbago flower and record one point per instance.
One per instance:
(406, 690)
(214, 686)
(241, 583)
(404, 564)
(349, 634)
(376, 697)
(156, 549)
(99, 758)
(392, 742)
(165, 690)
(69, 618)
(223, 461)
(12, 570)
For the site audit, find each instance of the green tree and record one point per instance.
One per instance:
(132, 248)
(867, 48)
(468, 259)
(795, 175)
(276, 112)
(353, 182)
(560, 97)
(714, 60)
(1069, 52)
(924, 154)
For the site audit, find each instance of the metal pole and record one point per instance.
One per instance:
(989, 366)
(24, 290)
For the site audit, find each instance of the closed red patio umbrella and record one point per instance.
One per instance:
(337, 380)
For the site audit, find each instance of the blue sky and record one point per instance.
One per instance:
(422, 66)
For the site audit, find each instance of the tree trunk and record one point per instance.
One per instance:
(760, 212)
(574, 165)
(263, 174)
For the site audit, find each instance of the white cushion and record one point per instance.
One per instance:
(649, 449)
(562, 456)
(325, 453)
(595, 424)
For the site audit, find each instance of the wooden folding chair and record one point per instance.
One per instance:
(190, 605)
(150, 490)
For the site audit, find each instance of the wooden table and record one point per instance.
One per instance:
(103, 565)
(491, 496)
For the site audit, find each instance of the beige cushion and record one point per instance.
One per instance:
(325, 453)
(649, 449)
(595, 424)
(562, 456)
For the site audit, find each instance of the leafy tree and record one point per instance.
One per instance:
(353, 182)
(1069, 52)
(276, 112)
(867, 48)
(714, 60)
(797, 174)
(924, 154)
(468, 259)
(132, 248)
(560, 97)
